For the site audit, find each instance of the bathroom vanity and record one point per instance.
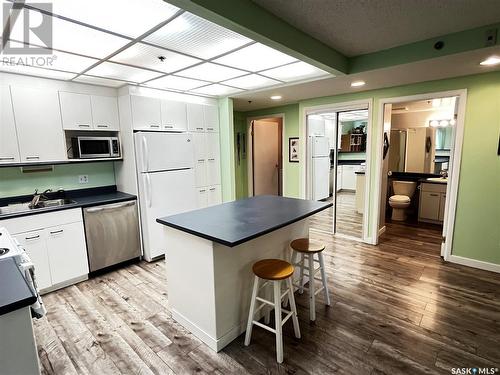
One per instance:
(432, 201)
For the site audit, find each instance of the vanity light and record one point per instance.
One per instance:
(358, 83)
(443, 123)
(276, 97)
(490, 61)
(453, 121)
(434, 123)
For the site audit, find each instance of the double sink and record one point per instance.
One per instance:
(26, 206)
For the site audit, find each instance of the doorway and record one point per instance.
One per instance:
(266, 136)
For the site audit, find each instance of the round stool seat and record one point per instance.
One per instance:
(305, 245)
(273, 269)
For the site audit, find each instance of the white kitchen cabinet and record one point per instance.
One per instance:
(213, 159)
(35, 244)
(200, 158)
(195, 117)
(202, 197)
(146, 113)
(214, 195)
(38, 124)
(211, 118)
(173, 115)
(9, 148)
(105, 113)
(76, 112)
(348, 177)
(339, 178)
(213, 171)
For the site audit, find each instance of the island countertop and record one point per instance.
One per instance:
(236, 222)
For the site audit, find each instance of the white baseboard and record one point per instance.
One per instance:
(381, 231)
(487, 266)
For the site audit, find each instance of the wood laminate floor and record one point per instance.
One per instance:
(396, 309)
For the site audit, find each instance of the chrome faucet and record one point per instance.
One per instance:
(35, 201)
(444, 173)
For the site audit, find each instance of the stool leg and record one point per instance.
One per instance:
(248, 334)
(277, 318)
(293, 308)
(301, 274)
(293, 259)
(268, 292)
(323, 278)
(312, 294)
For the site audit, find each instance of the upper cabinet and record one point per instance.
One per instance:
(9, 148)
(211, 117)
(38, 123)
(88, 112)
(195, 117)
(146, 113)
(173, 115)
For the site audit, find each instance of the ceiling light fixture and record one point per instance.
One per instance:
(490, 61)
(358, 83)
(276, 97)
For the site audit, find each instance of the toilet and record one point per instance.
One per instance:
(403, 191)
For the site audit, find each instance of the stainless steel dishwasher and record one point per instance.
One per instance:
(112, 233)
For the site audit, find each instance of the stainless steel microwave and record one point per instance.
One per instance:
(95, 147)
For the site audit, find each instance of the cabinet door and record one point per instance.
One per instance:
(105, 113)
(429, 205)
(38, 123)
(339, 178)
(348, 177)
(9, 148)
(35, 245)
(213, 159)
(201, 197)
(200, 158)
(214, 195)
(195, 117)
(173, 115)
(76, 111)
(442, 205)
(67, 252)
(146, 113)
(211, 117)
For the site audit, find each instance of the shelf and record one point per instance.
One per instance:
(60, 162)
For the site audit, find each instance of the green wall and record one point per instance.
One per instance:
(477, 225)
(241, 170)
(14, 182)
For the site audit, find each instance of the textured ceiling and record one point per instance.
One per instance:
(356, 27)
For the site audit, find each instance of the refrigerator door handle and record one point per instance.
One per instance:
(148, 190)
(145, 152)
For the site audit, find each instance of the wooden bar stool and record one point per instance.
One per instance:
(308, 249)
(273, 271)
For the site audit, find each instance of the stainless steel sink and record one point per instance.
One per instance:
(12, 208)
(23, 207)
(54, 203)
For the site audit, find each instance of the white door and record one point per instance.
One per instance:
(35, 245)
(163, 194)
(211, 117)
(200, 158)
(195, 117)
(76, 111)
(163, 151)
(266, 157)
(173, 115)
(67, 251)
(321, 178)
(146, 113)
(38, 122)
(105, 113)
(9, 148)
(214, 195)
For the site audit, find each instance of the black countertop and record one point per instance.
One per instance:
(82, 198)
(14, 290)
(234, 223)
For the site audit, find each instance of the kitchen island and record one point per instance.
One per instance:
(209, 258)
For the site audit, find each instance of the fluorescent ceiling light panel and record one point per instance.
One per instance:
(99, 81)
(175, 83)
(131, 18)
(71, 37)
(145, 56)
(38, 72)
(211, 72)
(123, 72)
(216, 90)
(196, 36)
(255, 57)
(294, 72)
(251, 81)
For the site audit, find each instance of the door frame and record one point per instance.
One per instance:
(454, 163)
(305, 174)
(250, 150)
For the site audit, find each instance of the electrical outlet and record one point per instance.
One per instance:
(83, 179)
(490, 37)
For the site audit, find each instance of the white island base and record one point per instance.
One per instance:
(210, 285)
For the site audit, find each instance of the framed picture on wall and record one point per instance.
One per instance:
(293, 149)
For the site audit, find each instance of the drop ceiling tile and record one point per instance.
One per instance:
(145, 56)
(211, 72)
(294, 72)
(175, 83)
(131, 18)
(255, 57)
(37, 72)
(251, 81)
(71, 37)
(196, 36)
(216, 90)
(123, 72)
(99, 81)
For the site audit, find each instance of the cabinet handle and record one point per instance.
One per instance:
(169, 126)
(201, 160)
(154, 126)
(199, 128)
(210, 128)
(57, 231)
(102, 126)
(83, 126)
(212, 189)
(32, 237)
(202, 191)
(7, 158)
(434, 195)
(32, 157)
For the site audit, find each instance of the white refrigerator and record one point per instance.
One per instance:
(165, 166)
(320, 167)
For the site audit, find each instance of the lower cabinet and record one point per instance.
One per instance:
(57, 246)
(208, 196)
(432, 203)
